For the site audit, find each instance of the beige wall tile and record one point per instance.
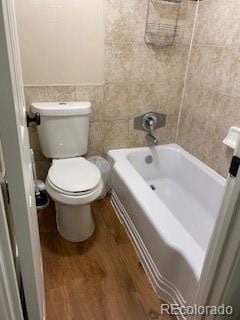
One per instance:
(143, 99)
(187, 26)
(97, 133)
(233, 38)
(169, 94)
(167, 134)
(139, 25)
(144, 64)
(219, 21)
(198, 102)
(136, 137)
(211, 99)
(170, 63)
(224, 113)
(34, 94)
(119, 20)
(118, 62)
(228, 81)
(117, 135)
(116, 102)
(60, 93)
(95, 95)
(204, 65)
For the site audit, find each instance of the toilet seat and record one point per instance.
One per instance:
(79, 199)
(74, 176)
(74, 181)
(73, 194)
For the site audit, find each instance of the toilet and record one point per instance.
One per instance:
(72, 181)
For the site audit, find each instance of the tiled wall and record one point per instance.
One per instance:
(212, 95)
(138, 79)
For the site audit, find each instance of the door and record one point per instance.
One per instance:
(10, 303)
(220, 282)
(16, 153)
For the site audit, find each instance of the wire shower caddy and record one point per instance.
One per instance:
(162, 34)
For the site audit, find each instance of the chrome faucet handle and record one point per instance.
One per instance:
(150, 121)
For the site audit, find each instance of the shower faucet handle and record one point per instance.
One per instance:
(150, 121)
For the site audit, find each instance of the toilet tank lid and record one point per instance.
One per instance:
(62, 108)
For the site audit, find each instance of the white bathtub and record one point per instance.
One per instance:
(170, 226)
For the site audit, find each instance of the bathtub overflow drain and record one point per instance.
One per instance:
(152, 187)
(149, 159)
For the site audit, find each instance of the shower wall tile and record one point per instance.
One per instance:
(119, 20)
(197, 102)
(144, 64)
(219, 20)
(169, 95)
(143, 97)
(116, 102)
(229, 72)
(138, 79)
(201, 24)
(233, 38)
(204, 67)
(118, 62)
(140, 15)
(187, 26)
(211, 101)
(225, 113)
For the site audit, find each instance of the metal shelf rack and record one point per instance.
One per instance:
(159, 31)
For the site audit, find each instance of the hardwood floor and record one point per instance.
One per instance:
(99, 279)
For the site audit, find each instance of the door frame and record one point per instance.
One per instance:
(16, 152)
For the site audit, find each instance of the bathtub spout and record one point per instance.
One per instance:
(151, 139)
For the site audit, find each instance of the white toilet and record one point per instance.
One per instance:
(72, 181)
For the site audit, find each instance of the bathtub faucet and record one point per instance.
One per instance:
(151, 139)
(149, 122)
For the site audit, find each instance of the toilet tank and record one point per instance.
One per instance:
(63, 131)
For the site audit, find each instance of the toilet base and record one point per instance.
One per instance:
(74, 222)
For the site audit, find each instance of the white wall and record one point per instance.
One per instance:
(61, 41)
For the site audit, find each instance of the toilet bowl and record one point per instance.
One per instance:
(73, 184)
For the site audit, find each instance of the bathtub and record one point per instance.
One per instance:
(168, 201)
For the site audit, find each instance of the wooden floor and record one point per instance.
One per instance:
(99, 279)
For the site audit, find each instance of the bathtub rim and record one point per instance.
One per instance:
(121, 154)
